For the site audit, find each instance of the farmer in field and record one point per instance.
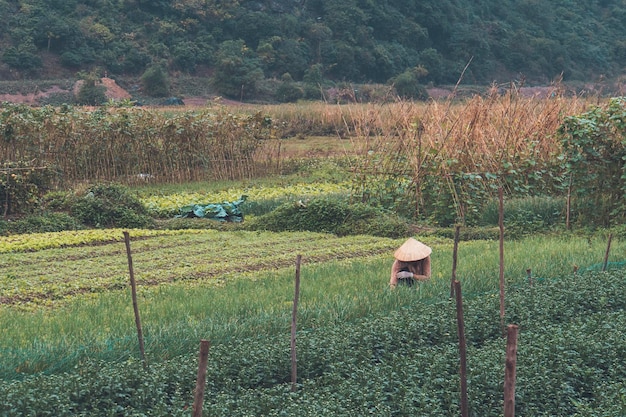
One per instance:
(412, 263)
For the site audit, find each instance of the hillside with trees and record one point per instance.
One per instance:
(300, 44)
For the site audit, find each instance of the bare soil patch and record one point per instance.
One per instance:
(113, 92)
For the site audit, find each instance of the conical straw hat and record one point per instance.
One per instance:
(412, 250)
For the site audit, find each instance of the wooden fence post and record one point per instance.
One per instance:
(462, 349)
(509, 375)
(201, 378)
(454, 258)
(501, 225)
(294, 316)
(606, 254)
(568, 202)
(530, 276)
(133, 289)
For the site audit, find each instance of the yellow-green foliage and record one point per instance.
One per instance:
(40, 241)
(169, 205)
(50, 275)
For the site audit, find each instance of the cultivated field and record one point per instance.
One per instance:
(69, 345)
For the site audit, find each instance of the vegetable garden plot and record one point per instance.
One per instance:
(56, 274)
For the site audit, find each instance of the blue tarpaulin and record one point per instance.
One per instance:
(224, 212)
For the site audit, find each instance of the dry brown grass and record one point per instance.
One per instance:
(477, 134)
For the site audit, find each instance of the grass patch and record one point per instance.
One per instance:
(227, 286)
(403, 361)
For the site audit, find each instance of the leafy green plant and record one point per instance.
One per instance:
(407, 84)
(91, 91)
(21, 185)
(110, 205)
(261, 198)
(332, 216)
(40, 223)
(403, 361)
(594, 150)
(289, 92)
(526, 215)
(155, 81)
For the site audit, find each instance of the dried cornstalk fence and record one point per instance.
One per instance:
(474, 146)
(121, 144)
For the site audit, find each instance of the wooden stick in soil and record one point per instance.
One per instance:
(509, 376)
(294, 315)
(606, 254)
(462, 349)
(7, 196)
(530, 277)
(454, 258)
(201, 378)
(568, 202)
(133, 288)
(501, 225)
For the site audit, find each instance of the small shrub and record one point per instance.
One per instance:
(407, 84)
(41, 223)
(289, 92)
(466, 233)
(57, 99)
(110, 206)
(332, 216)
(21, 185)
(526, 215)
(91, 93)
(155, 82)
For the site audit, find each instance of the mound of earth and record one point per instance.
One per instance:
(112, 90)
(32, 99)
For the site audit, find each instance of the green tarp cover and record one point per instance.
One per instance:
(224, 212)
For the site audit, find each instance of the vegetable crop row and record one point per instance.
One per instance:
(41, 241)
(169, 205)
(58, 274)
(403, 363)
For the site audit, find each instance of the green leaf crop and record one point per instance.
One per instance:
(165, 206)
(96, 260)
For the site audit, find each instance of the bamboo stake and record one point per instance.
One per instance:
(509, 377)
(6, 192)
(462, 349)
(454, 258)
(201, 378)
(294, 314)
(133, 289)
(568, 202)
(501, 225)
(606, 254)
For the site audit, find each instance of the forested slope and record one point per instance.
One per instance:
(238, 43)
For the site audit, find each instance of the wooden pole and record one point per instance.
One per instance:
(530, 277)
(462, 349)
(133, 288)
(294, 315)
(454, 258)
(201, 378)
(501, 225)
(509, 376)
(606, 254)
(568, 202)
(6, 193)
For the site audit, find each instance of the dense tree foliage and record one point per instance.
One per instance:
(348, 40)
